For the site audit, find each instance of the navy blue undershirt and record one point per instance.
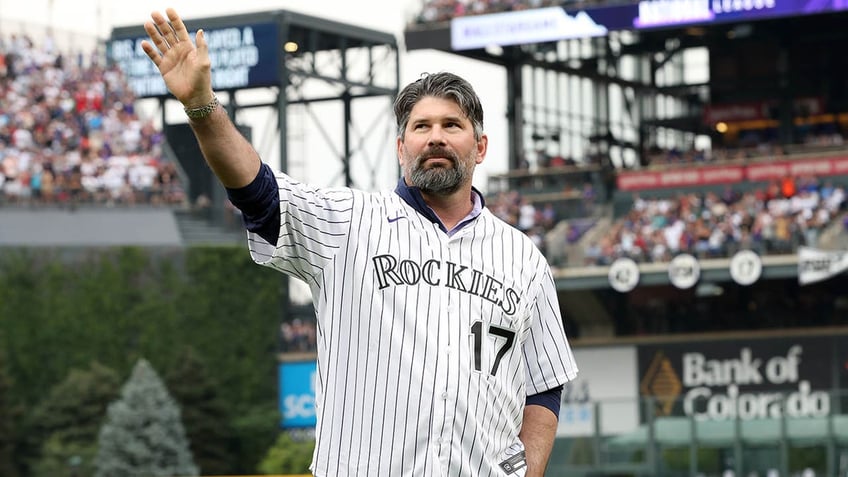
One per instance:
(259, 203)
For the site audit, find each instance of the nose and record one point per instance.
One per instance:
(437, 136)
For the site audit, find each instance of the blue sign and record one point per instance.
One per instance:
(297, 394)
(555, 23)
(243, 56)
(656, 14)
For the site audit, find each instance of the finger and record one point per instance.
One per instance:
(180, 31)
(156, 36)
(152, 52)
(165, 29)
(200, 41)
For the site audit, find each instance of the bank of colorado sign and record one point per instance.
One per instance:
(751, 379)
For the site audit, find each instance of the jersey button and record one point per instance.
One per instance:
(444, 395)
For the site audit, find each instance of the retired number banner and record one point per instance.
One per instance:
(816, 265)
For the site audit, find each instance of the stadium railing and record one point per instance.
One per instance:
(752, 432)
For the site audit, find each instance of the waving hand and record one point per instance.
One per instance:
(186, 68)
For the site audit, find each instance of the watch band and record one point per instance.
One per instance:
(202, 111)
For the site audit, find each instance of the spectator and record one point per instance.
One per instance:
(710, 225)
(69, 134)
(526, 215)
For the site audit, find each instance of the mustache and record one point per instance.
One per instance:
(437, 152)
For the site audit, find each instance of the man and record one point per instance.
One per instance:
(441, 348)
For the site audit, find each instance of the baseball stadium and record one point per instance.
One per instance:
(681, 165)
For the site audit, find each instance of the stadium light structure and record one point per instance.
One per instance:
(301, 59)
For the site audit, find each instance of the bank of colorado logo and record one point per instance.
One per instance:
(746, 386)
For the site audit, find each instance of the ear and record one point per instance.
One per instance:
(482, 148)
(400, 150)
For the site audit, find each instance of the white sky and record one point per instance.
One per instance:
(98, 17)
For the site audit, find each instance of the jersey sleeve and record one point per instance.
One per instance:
(314, 224)
(547, 354)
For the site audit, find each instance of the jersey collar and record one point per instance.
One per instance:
(412, 196)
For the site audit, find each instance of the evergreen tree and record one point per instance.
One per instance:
(65, 424)
(74, 408)
(205, 415)
(8, 467)
(143, 434)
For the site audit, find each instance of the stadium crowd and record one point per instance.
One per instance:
(769, 220)
(521, 213)
(299, 335)
(70, 135)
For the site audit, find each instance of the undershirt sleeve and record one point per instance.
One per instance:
(549, 399)
(259, 203)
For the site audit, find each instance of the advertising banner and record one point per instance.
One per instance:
(244, 56)
(759, 110)
(671, 178)
(555, 23)
(751, 379)
(607, 377)
(297, 394)
(521, 27)
(701, 175)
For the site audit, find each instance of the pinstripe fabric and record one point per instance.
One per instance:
(427, 344)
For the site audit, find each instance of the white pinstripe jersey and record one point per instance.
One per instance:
(427, 344)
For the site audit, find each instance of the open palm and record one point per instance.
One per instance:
(186, 68)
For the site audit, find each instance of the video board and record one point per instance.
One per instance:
(243, 56)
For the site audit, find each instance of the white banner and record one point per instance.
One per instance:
(816, 265)
(521, 27)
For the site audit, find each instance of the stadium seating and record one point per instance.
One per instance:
(70, 135)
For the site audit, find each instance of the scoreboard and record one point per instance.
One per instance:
(243, 56)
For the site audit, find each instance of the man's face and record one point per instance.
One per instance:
(438, 151)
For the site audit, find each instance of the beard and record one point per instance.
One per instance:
(439, 180)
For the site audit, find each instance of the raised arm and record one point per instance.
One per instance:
(187, 70)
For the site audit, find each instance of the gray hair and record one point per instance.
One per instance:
(439, 85)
